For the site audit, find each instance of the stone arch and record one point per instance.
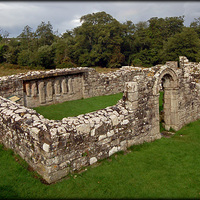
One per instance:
(168, 78)
(165, 71)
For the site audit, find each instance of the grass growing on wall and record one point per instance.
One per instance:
(77, 107)
(165, 168)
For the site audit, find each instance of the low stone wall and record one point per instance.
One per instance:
(56, 147)
(55, 86)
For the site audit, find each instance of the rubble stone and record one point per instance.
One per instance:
(56, 147)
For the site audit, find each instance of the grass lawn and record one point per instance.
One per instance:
(165, 168)
(77, 107)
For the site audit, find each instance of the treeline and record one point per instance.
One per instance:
(103, 41)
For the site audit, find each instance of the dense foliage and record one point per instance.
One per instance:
(103, 41)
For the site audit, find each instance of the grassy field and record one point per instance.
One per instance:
(77, 107)
(165, 168)
(10, 69)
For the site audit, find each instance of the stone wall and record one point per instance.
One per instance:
(55, 86)
(44, 87)
(56, 147)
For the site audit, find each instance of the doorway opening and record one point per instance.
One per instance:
(168, 103)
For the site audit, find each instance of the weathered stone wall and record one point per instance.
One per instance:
(44, 87)
(55, 86)
(56, 147)
(189, 92)
(10, 85)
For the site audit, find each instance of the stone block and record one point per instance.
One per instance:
(46, 147)
(42, 97)
(101, 137)
(64, 86)
(123, 145)
(131, 105)
(50, 178)
(131, 87)
(34, 89)
(110, 133)
(57, 87)
(49, 91)
(114, 120)
(93, 160)
(114, 150)
(28, 89)
(115, 142)
(83, 128)
(132, 96)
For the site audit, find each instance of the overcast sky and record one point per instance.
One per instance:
(65, 15)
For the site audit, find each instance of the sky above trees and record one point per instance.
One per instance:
(101, 40)
(65, 15)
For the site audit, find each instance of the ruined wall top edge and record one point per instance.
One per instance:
(184, 62)
(50, 73)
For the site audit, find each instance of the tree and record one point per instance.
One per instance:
(44, 34)
(12, 51)
(45, 57)
(26, 37)
(3, 49)
(98, 40)
(196, 25)
(3, 35)
(63, 51)
(24, 58)
(186, 43)
(149, 38)
(127, 46)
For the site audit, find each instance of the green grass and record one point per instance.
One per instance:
(161, 101)
(77, 107)
(161, 109)
(165, 168)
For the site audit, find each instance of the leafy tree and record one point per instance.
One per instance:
(12, 51)
(186, 43)
(44, 34)
(97, 39)
(103, 41)
(45, 57)
(26, 37)
(11, 55)
(196, 25)
(62, 52)
(24, 58)
(3, 49)
(127, 46)
(150, 36)
(4, 35)
(142, 40)
(141, 45)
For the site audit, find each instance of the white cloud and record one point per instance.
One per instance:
(66, 15)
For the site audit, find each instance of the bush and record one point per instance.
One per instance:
(24, 58)
(3, 50)
(45, 57)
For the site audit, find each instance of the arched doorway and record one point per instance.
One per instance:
(167, 81)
